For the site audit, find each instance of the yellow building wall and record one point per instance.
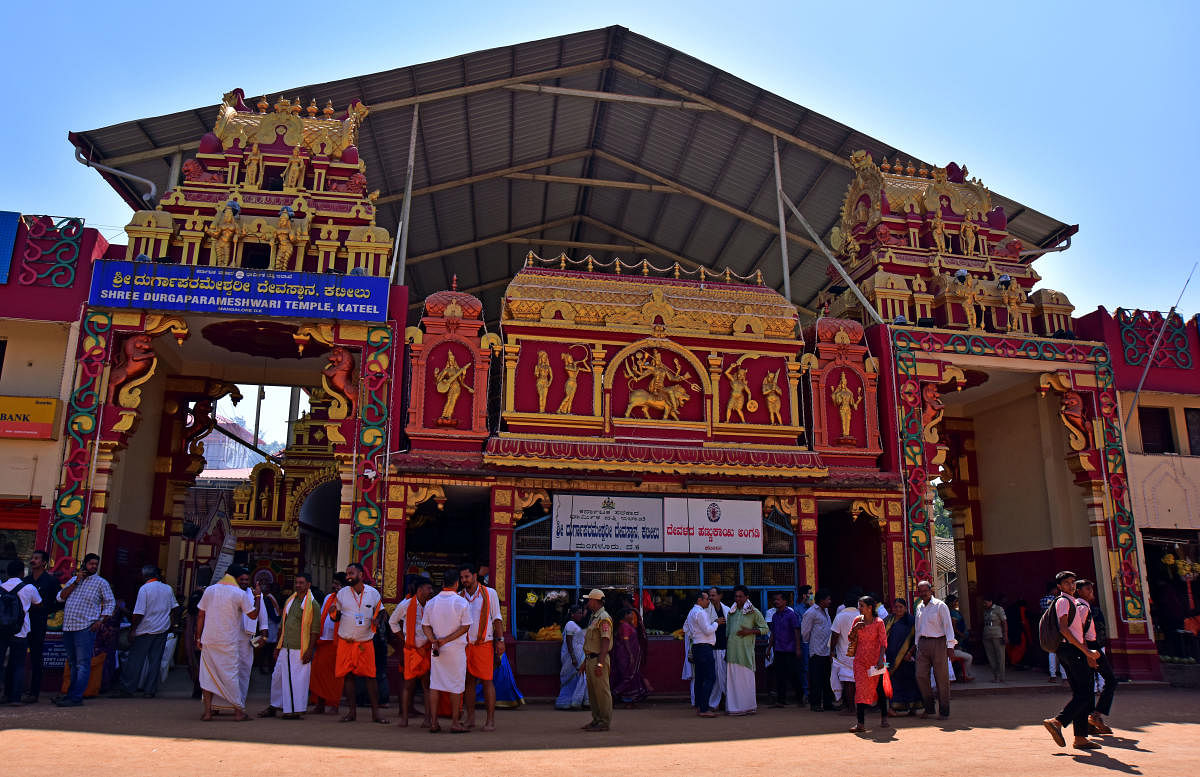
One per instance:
(35, 365)
(1028, 498)
(1165, 487)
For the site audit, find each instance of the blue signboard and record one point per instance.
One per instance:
(233, 290)
(8, 239)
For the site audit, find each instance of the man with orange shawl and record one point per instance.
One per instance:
(323, 683)
(406, 625)
(355, 609)
(298, 631)
(485, 642)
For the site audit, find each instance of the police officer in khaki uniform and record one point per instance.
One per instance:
(597, 641)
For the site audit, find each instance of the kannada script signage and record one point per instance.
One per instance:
(117, 284)
(28, 418)
(607, 523)
(654, 525)
(713, 526)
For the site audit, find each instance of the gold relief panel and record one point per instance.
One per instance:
(391, 563)
(500, 569)
(808, 506)
(502, 497)
(808, 524)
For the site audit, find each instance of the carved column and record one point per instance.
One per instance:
(505, 513)
(806, 539)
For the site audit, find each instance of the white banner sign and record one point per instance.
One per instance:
(697, 526)
(607, 523)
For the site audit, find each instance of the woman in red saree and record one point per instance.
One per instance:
(868, 641)
(629, 657)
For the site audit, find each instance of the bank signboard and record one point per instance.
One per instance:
(29, 418)
(237, 291)
(655, 525)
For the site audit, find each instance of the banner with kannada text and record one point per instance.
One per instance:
(607, 523)
(119, 284)
(725, 526)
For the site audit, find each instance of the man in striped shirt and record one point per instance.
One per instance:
(87, 599)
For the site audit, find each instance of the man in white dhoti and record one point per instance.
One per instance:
(446, 620)
(718, 609)
(219, 634)
(254, 625)
(841, 673)
(299, 629)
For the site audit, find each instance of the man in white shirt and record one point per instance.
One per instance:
(220, 633)
(935, 638)
(355, 610)
(841, 673)
(446, 621)
(815, 628)
(485, 643)
(254, 626)
(703, 628)
(151, 624)
(15, 638)
(718, 609)
(414, 647)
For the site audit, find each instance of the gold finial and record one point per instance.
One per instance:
(617, 264)
(454, 283)
(645, 267)
(885, 166)
(677, 270)
(924, 171)
(910, 170)
(328, 111)
(263, 104)
(313, 110)
(529, 258)
(562, 261)
(297, 107)
(702, 274)
(758, 277)
(727, 274)
(589, 261)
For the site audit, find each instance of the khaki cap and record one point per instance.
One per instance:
(596, 593)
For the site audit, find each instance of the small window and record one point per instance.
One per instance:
(1192, 416)
(1155, 423)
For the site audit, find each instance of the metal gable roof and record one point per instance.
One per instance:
(685, 174)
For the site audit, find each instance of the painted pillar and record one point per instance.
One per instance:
(395, 529)
(893, 550)
(806, 540)
(500, 537)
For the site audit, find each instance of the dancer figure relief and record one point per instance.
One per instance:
(451, 380)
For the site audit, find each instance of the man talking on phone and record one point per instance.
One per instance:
(87, 600)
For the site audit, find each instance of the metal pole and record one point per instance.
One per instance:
(783, 254)
(833, 260)
(258, 411)
(293, 411)
(1157, 342)
(401, 251)
(173, 175)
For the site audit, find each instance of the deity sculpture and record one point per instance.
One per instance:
(264, 505)
(284, 241)
(224, 232)
(967, 233)
(572, 368)
(1013, 297)
(846, 403)
(451, 380)
(972, 295)
(939, 231)
(774, 397)
(293, 174)
(658, 394)
(253, 179)
(543, 376)
(739, 391)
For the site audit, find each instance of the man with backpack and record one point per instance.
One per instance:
(1072, 621)
(16, 597)
(1097, 639)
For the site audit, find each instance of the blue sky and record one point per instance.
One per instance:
(1084, 111)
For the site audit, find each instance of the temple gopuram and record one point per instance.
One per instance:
(623, 366)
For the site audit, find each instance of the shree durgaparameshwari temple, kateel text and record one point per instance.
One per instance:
(584, 366)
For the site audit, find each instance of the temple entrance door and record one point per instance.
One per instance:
(319, 532)
(453, 533)
(849, 551)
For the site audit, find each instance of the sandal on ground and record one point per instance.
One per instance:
(1055, 730)
(858, 728)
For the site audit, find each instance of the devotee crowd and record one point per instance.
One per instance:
(327, 651)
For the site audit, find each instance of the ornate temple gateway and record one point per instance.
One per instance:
(604, 379)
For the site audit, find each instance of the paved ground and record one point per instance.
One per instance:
(1157, 733)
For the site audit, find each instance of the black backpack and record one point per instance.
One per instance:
(1049, 635)
(12, 611)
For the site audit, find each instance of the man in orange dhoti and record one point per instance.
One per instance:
(415, 651)
(323, 683)
(485, 643)
(355, 609)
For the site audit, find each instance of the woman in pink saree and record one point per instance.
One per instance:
(629, 658)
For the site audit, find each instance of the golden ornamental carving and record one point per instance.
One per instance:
(846, 403)
(572, 366)
(419, 495)
(307, 332)
(527, 498)
(337, 378)
(451, 381)
(739, 391)
(773, 396)
(284, 240)
(543, 379)
(1071, 409)
(869, 507)
(666, 386)
(158, 323)
(224, 233)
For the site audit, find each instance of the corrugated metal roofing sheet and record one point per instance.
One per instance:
(460, 136)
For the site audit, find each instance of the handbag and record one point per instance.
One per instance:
(886, 678)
